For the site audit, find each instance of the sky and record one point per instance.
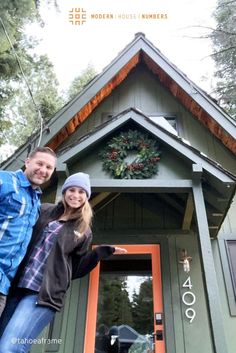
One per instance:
(175, 28)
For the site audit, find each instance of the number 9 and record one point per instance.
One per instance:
(190, 314)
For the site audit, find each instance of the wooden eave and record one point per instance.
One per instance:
(191, 105)
(168, 82)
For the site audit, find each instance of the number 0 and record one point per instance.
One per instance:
(191, 301)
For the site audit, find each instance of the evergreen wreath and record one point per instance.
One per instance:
(142, 167)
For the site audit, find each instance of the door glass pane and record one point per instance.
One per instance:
(125, 305)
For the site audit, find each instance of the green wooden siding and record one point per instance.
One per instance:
(229, 316)
(137, 211)
(170, 167)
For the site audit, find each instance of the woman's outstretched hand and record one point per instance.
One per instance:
(119, 251)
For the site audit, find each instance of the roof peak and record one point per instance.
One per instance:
(139, 34)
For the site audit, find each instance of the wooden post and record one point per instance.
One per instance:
(209, 273)
(62, 174)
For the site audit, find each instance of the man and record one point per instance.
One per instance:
(19, 210)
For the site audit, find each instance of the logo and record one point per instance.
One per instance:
(77, 16)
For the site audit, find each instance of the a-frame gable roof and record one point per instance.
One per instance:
(177, 144)
(190, 95)
(140, 50)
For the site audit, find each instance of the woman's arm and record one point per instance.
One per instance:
(82, 265)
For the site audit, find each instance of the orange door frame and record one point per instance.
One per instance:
(91, 317)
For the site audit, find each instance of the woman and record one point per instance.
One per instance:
(58, 252)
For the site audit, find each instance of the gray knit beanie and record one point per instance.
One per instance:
(80, 180)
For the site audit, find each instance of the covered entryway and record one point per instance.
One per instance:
(177, 208)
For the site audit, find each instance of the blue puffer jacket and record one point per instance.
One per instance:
(69, 257)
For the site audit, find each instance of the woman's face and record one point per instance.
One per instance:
(75, 197)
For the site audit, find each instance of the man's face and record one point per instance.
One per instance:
(39, 168)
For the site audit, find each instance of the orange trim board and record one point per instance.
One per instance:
(91, 317)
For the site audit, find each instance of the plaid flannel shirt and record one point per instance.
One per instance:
(19, 210)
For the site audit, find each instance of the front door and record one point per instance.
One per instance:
(125, 310)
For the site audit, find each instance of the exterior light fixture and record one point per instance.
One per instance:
(185, 260)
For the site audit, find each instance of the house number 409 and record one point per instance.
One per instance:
(189, 298)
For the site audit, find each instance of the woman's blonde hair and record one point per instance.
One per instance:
(83, 215)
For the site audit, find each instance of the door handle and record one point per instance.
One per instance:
(159, 335)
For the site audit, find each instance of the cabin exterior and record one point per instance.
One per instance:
(174, 211)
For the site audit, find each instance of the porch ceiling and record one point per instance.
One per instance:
(180, 204)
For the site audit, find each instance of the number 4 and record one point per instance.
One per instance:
(188, 283)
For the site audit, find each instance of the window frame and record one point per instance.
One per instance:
(170, 118)
(230, 283)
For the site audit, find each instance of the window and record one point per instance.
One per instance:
(227, 246)
(167, 122)
(231, 252)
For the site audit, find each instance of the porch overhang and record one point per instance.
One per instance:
(217, 183)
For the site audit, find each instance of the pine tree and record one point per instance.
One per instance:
(18, 115)
(142, 308)
(81, 81)
(224, 44)
(114, 307)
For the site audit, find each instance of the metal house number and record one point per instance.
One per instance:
(189, 298)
